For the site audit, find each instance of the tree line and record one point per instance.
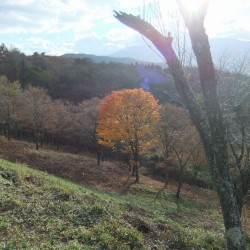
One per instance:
(76, 79)
(31, 114)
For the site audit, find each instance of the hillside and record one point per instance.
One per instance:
(133, 58)
(75, 79)
(99, 59)
(40, 211)
(82, 168)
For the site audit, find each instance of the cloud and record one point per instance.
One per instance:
(58, 15)
(17, 18)
(88, 26)
(89, 44)
(227, 17)
(108, 43)
(48, 16)
(36, 44)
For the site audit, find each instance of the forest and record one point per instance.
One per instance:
(55, 100)
(73, 87)
(58, 101)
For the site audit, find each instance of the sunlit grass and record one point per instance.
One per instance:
(40, 211)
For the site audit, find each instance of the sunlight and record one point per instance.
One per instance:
(216, 21)
(219, 14)
(192, 6)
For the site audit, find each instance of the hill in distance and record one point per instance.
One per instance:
(99, 59)
(143, 53)
(219, 46)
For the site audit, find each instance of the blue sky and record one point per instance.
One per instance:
(88, 26)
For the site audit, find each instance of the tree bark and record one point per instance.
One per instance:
(41, 139)
(180, 181)
(136, 173)
(136, 166)
(36, 139)
(209, 124)
(216, 147)
(8, 130)
(241, 184)
(98, 154)
(98, 158)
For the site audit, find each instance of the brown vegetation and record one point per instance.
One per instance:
(83, 169)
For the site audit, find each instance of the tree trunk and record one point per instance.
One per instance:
(136, 166)
(231, 216)
(216, 147)
(36, 139)
(136, 173)
(166, 176)
(41, 139)
(243, 187)
(133, 170)
(30, 134)
(18, 134)
(180, 181)
(7, 130)
(178, 189)
(99, 154)
(98, 158)
(210, 124)
(78, 147)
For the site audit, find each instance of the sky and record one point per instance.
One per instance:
(57, 27)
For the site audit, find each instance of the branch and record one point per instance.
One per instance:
(164, 45)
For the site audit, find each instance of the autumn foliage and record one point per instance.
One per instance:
(127, 122)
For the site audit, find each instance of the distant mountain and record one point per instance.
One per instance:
(226, 45)
(99, 59)
(139, 52)
(218, 47)
(143, 53)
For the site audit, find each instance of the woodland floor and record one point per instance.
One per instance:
(194, 220)
(82, 168)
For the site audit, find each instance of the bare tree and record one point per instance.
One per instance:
(36, 110)
(87, 116)
(209, 122)
(84, 118)
(10, 96)
(59, 123)
(179, 140)
(234, 89)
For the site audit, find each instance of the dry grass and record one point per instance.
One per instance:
(83, 169)
(114, 177)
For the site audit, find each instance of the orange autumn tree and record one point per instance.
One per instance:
(127, 122)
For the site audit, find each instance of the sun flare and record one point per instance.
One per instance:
(192, 6)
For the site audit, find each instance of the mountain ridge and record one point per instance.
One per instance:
(99, 59)
(145, 54)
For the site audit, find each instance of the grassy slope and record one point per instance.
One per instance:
(40, 211)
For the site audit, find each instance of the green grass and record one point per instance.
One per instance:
(39, 211)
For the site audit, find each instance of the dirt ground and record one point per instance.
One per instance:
(83, 169)
(110, 176)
